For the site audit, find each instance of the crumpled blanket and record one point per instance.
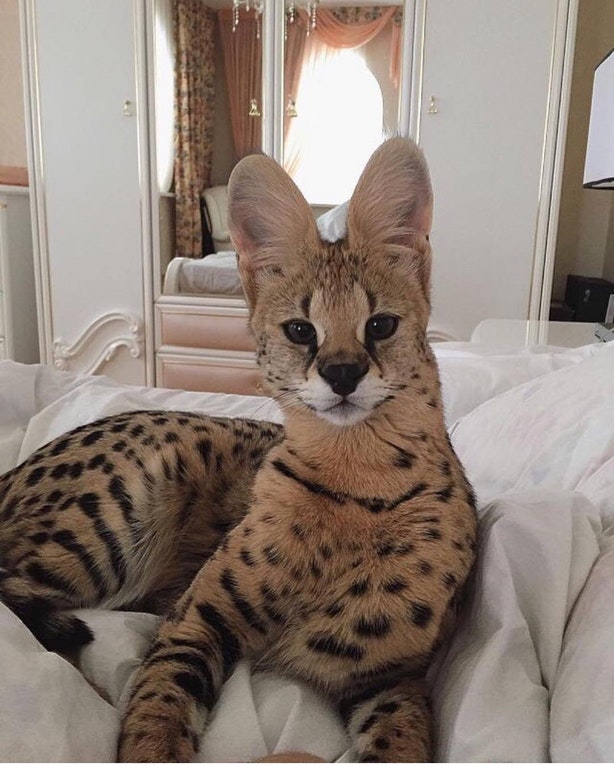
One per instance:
(529, 673)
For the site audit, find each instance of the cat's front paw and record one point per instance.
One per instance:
(157, 742)
(394, 746)
(397, 729)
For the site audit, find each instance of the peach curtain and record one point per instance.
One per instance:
(352, 26)
(193, 25)
(342, 27)
(294, 53)
(243, 63)
(339, 33)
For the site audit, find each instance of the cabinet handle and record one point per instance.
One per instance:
(432, 110)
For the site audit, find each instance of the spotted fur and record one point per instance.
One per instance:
(121, 513)
(333, 553)
(346, 571)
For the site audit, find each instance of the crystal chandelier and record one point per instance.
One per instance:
(257, 5)
(311, 6)
(290, 16)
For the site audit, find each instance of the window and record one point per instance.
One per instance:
(338, 125)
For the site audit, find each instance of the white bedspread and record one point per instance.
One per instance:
(530, 673)
(215, 274)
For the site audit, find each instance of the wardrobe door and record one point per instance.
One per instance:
(485, 95)
(89, 123)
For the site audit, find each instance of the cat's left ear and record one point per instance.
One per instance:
(269, 220)
(391, 209)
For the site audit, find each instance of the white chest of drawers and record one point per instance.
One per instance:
(18, 317)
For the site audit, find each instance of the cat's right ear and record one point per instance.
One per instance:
(269, 220)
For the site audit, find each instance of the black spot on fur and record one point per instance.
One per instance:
(313, 487)
(92, 437)
(420, 614)
(358, 588)
(59, 471)
(385, 549)
(60, 446)
(47, 578)
(204, 448)
(334, 609)
(76, 469)
(297, 531)
(329, 645)
(449, 580)
(372, 627)
(394, 585)
(381, 743)
(247, 558)
(35, 475)
(315, 569)
(445, 494)
(272, 556)
(228, 641)
(229, 583)
(368, 724)
(191, 684)
(426, 568)
(97, 461)
(404, 459)
(389, 707)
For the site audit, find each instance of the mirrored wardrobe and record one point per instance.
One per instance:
(141, 108)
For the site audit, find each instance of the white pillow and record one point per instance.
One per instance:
(471, 374)
(556, 431)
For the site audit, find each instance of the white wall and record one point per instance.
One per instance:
(585, 243)
(12, 121)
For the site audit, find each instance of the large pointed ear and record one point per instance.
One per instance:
(269, 220)
(392, 205)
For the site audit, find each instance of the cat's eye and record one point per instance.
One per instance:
(299, 331)
(381, 326)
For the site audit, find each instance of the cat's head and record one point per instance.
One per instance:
(340, 327)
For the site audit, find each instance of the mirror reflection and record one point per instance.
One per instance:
(341, 79)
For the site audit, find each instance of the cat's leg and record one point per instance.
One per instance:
(219, 620)
(36, 604)
(392, 726)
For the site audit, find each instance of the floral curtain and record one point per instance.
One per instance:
(194, 26)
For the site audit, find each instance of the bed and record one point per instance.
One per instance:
(530, 672)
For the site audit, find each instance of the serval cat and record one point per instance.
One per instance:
(334, 552)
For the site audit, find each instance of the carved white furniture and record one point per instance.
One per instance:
(18, 324)
(89, 159)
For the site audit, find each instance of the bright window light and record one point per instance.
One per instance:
(338, 125)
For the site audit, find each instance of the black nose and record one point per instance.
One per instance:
(344, 378)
